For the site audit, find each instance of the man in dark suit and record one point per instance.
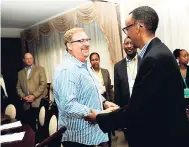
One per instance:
(124, 75)
(155, 115)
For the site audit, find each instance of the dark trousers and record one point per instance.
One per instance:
(125, 134)
(30, 116)
(74, 144)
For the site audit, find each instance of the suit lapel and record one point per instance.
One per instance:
(32, 71)
(139, 60)
(123, 70)
(156, 41)
(103, 75)
(24, 74)
(24, 77)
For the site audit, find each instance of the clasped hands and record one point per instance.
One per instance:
(109, 107)
(29, 98)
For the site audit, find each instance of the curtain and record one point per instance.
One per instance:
(173, 20)
(49, 52)
(45, 41)
(98, 44)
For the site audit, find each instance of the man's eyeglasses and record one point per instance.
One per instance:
(125, 29)
(82, 41)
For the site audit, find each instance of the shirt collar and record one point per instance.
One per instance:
(128, 60)
(28, 67)
(94, 70)
(143, 50)
(76, 61)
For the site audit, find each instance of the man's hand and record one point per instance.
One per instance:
(91, 117)
(24, 98)
(110, 109)
(108, 104)
(30, 98)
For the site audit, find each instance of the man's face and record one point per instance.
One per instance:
(28, 59)
(95, 61)
(80, 48)
(128, 47)
(131, 30)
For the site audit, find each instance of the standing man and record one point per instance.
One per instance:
(125, 72)
(31, 88)
(76, 91)
(155, 115)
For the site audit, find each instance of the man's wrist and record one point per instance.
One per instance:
(104, 102)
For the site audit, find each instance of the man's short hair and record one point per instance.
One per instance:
(69, 34)
(147, 16)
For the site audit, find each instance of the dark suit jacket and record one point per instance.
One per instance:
(121, 84)
(155, 115)
(108, 95)
(187, 82)
(187, 78)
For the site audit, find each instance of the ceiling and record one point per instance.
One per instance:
(20, 14)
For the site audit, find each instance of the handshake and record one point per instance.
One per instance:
(109, 107)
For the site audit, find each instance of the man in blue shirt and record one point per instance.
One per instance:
(76, 91)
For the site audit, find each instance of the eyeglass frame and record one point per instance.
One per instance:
(82, 41)
(125, 29)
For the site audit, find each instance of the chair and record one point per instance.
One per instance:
(10, 110)
(187, 113)
(42, 111)
(53, 125)
(52, 140)
(47, 124)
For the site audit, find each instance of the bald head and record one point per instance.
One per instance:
(28, 59)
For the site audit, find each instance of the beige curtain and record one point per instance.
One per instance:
(42, 38)
(107, 17)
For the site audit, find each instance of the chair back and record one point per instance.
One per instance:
(10, 110)
(47, 124)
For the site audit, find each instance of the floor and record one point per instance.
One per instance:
(119, 140)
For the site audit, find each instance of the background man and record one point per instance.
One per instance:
(31, 88)
(125, 72)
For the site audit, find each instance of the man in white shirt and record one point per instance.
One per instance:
(125, 73)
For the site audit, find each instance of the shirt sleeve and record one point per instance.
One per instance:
(66, 87)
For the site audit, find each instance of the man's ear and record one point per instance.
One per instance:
(69, 46)
(138, 29)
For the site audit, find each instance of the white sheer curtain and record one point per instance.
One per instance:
(48, 52)
(99, 45)
(174, 20)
